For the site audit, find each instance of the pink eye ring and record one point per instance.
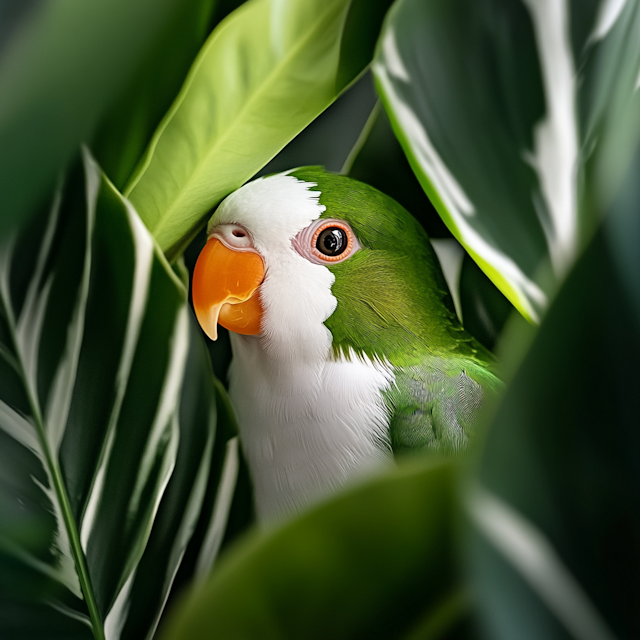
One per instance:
(326, 241)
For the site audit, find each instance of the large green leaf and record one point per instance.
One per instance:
(228, 492)
(555, 542)
(198, 496)
(266, 71)
(107, 419)
(498, 105)
(61, 67)
(376, 562)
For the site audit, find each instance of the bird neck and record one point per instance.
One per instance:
(307, 427)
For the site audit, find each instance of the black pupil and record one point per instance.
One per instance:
(332, 241)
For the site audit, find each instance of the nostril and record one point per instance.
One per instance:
(238, 234)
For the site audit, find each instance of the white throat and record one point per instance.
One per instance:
(307, 429)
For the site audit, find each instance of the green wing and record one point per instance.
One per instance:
(435, 404)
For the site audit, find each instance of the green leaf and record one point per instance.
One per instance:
(498, 105)
(107, 417)
(264, 74)
(374, 562)
(361, 30)
(216, 517)
(199, 491)
(61, 68)
(554, 507)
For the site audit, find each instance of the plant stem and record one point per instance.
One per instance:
(58, 484)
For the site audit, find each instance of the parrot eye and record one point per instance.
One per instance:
(326, 242)
(332, 241)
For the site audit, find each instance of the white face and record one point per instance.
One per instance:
(296, 293)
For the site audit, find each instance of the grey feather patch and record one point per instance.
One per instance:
(434, 407)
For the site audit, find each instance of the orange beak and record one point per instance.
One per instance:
(224, 285)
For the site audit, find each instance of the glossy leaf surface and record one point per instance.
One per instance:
(266, 71)
(556, 530)
(107, 419)
(376, 562)
(498, 105)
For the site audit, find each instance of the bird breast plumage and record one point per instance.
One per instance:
(307, 427)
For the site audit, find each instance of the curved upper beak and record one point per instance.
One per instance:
(224, 286)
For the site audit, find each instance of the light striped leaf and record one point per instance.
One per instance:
(498, 106)
(107, 417)
(264, 74)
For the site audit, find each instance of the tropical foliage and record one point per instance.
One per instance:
(509, 129)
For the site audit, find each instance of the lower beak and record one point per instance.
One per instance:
(224, 288)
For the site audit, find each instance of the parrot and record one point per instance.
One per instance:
(347, 350)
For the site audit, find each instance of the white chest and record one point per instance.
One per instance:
(307, 429)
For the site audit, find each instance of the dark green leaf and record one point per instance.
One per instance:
(361, 30)
(221, 493)
(556, 536)
(196, 475)
(60, 69)
(126, 130)
(374, 563)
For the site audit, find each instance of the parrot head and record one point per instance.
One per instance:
(316, 264)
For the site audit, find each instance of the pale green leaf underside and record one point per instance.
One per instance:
(264, 74)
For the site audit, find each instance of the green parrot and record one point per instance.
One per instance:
(346, 346)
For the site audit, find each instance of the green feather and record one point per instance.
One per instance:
(394, 306)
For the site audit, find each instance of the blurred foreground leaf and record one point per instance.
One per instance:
(376, 562)
(498, 105)
(264, 74)
(556, 510)
(60, 70)
(107, 419)
(128, 126)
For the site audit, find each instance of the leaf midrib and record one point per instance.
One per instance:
(75, 545)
